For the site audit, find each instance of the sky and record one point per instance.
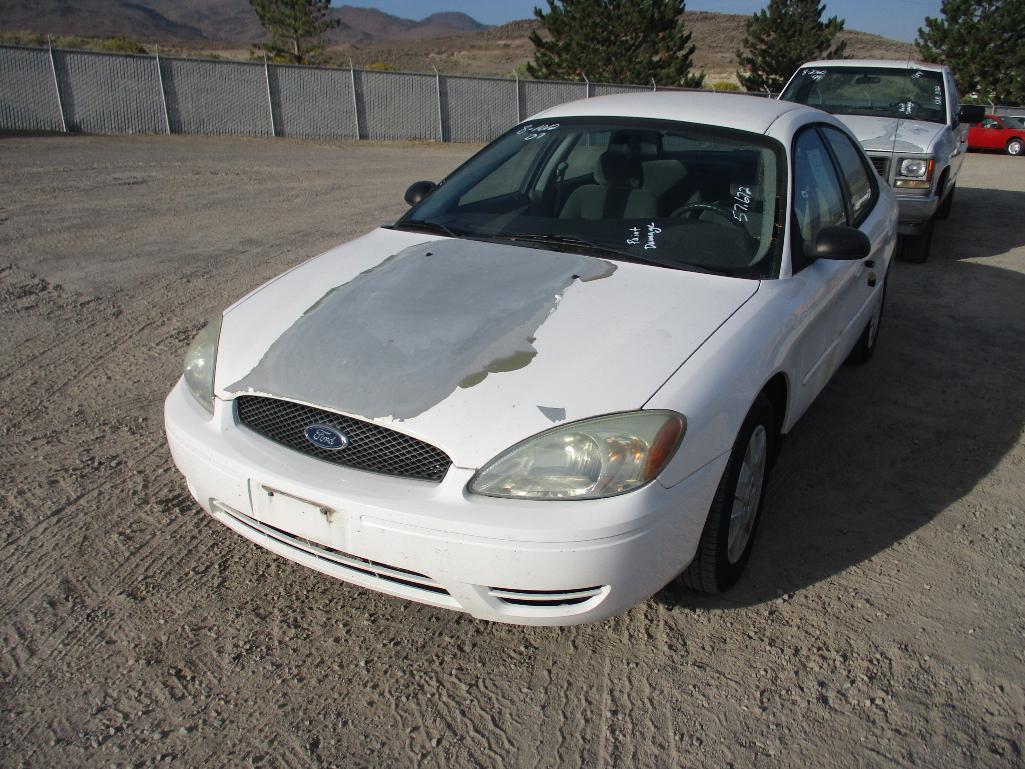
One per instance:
(897, 19)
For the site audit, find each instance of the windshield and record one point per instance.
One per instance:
(1013, 122)
(913, 94)
(671, 194)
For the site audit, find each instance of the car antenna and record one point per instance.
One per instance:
(896, 126)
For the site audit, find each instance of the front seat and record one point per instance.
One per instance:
(617, 195)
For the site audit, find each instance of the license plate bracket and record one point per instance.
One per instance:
(298, 516)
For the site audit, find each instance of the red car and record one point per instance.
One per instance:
(998, 133)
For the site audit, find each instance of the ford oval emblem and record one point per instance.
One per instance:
(324, 437)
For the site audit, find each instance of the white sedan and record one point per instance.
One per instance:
(559, 381)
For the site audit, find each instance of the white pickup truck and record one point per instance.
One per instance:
(908, 119)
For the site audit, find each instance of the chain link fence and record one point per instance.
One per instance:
(43, 89)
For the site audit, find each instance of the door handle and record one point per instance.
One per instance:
(872, 277)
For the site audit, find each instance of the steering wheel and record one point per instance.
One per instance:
(711, 208)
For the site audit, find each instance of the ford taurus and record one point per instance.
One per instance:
(560, 380)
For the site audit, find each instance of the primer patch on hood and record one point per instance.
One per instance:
(402, 336)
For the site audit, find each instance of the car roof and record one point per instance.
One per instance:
(725, 110)
(879, 63)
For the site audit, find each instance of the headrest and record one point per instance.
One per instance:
(617, 169)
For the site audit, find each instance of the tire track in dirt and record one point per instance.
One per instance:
(78, 636)
(37, 542)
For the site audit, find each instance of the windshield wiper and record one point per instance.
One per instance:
(427, 225)
(579, 243)
(597, 248)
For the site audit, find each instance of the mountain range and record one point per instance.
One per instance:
(453, 43)
(224, 21)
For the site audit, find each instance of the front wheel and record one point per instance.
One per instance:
(725, 545)
(916, 248)
(1015, 147)
(943, 212)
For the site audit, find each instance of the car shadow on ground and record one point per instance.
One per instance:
(890, 445)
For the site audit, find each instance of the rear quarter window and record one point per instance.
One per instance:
(857, 177)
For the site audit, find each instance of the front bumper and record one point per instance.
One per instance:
(525, 562)
(915, 212)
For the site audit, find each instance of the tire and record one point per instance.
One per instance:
(916, 248)
(720, 559)
(866, 344)
(943, 212)
(1015, 147)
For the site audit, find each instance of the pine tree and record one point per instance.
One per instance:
(296, 28)
(983, 42)
(777, 40)
(615, 41)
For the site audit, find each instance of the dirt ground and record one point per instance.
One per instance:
(881, 623)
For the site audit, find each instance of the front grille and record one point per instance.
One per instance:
(881, 164)
(545, 597)
(371, 447)
(348, 562)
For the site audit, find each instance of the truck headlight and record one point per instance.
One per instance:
(915, 173)
(199, 364)
(593, 458)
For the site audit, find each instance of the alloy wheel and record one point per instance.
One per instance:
(748, 494)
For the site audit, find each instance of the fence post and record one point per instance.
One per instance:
(587, 86)
(519, 107)
(355, 100)
(654, 87)
(270, 101)
(56, 85)
(163, 98)
(441, 121)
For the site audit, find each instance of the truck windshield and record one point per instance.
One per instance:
(911, 94)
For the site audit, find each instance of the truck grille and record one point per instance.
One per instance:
(881, 164)
(370, 447)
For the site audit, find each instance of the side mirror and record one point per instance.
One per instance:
(971, 114)
(418, 191)
(842, 243)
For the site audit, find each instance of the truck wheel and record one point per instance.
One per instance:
(943, 211)
(915, 248)
(729, 531)
(1015, 147)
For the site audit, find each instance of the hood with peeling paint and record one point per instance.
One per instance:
(884, 134)
(470, 346)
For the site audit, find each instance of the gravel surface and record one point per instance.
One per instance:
(881, 623)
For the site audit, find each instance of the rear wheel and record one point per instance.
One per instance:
(1015, 147)
(915, 248)
(729, 532)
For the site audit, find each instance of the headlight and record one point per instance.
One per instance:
(593, 458)
(199, 364)
(914, 173)
(914, 168)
